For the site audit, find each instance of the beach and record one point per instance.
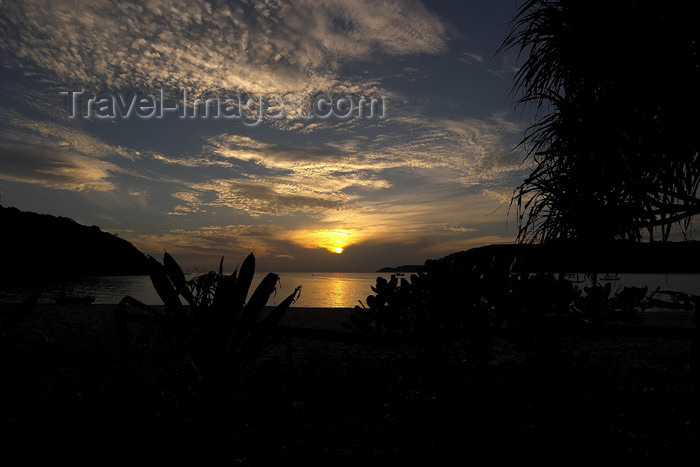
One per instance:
(345, 403)
(77, 327)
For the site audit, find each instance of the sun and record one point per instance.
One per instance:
(334, 241)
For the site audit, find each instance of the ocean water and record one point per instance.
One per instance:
(687, 283)
(326, 290)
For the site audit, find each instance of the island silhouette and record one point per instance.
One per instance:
(41, 245)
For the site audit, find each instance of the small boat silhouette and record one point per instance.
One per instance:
(675, 300)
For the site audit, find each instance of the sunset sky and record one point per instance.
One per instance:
(303, 188)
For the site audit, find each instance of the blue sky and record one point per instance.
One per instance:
(431, 177)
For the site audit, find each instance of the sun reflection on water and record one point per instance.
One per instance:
(339, 294)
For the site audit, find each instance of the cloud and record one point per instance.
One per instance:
(503, 195)
(368, 186)
(467, 150)
(421, 215)
(458, 228)
(487, 145)
(421, 182)
(463, 151)
(471, 58)
(17, 128)
(323, 171)
(235, 241)
(349, 173)
(425, 220)
(245, 148)
(189, 161)
(260, 197)
(255, 47)
(55, 169)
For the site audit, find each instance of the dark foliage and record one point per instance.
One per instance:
(462, 297)
(220, 329)
(614, 147)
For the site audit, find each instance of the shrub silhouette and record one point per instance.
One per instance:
(218, 330)
(461, 297)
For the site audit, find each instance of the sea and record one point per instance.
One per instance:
(322, 289)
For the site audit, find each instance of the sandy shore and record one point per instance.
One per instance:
(93, 324)
(90, 329)
(84, 317)
(84, 325)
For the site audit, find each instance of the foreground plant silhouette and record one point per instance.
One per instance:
(457, 296)
(218, 330)
(614, 153)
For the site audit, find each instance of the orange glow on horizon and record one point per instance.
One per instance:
(334, 241)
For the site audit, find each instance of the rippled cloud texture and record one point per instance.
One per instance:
(433, 176)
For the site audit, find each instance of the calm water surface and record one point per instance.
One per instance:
(327, 290)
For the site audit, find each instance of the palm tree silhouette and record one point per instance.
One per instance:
(615, 153)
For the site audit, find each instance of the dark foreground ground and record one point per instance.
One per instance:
(327, 403)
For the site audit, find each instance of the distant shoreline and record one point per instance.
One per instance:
(570, 256)
(405, 268)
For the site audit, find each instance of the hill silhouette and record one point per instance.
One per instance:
(403, 268)
(44, 245)
(573, 256)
